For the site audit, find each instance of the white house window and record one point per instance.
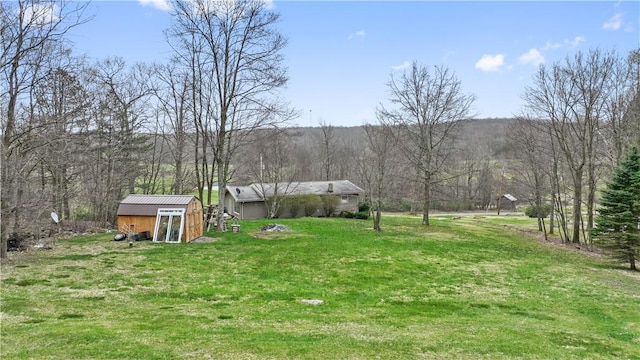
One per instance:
(344, 199)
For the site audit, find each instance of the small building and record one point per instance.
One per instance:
(248, 202)
(507, 202)
(163, 218)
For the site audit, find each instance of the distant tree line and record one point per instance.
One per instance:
(79, 134)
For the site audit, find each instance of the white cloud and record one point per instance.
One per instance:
(158, 4)
(576, 41)
(532, 57)
(40, 15)
(490, 63)
(614, 23)
(269, 4)
(402, 66)
(357, 34)
(551, 46)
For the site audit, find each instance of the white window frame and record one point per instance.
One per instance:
(170, 213)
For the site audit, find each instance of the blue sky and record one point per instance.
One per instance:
(341, 54)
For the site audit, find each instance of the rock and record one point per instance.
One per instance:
(275, 227)
(313, 302)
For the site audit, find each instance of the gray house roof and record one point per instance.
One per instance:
(244, 193)
(257, 192)
(148, 205)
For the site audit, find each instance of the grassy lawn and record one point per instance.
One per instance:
(460, 289)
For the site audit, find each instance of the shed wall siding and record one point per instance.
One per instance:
(140, 223)
(194, 227)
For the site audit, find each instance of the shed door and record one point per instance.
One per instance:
(169, 225)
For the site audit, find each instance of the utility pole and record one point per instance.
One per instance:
(261, 170)
(500, 191)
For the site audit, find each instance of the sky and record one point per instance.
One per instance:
(341, 54)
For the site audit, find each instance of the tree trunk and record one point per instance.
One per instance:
(222, 184)
(426, 198)
(577, 207)
(4, 207)
(376, 219)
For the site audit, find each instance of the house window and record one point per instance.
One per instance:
(344, 199)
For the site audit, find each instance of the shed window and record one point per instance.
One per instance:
(344, 199)
(169, 225)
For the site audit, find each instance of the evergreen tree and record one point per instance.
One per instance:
(617, 225)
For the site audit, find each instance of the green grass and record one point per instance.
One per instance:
(205, 194)
(460, 289)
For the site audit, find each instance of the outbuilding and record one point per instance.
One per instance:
(507, 202)
(162, 218)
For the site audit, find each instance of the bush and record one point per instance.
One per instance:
(364, 207)
(293, 204)
(329, 204)
(538, 212)
(347, 214)
(310, 204)
(363, 215)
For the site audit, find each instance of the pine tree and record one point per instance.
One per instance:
(617, 225)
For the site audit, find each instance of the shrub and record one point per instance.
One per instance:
(538, 212)
(363, 215)
(310, 204)
(329, 204)
(364, 207)
(347, 214)
(294, 204)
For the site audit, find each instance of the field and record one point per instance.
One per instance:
(468, 288)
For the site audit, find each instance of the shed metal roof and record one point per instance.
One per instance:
(158, 199)
(148, 205)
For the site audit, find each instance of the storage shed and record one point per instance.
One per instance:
(163, 218)
(507, 202)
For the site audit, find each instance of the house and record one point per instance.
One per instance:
(248, 202)
(163, 218)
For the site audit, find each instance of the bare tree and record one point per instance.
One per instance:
(61, 109)
(532, 171)
(117, 143)
(28, 29)
(376, 166)
(328, 141)
(622, 108)
(428, 106)
(273, 163)
(172, 93)
(468, 185)
(573, 96)
(243, 68)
